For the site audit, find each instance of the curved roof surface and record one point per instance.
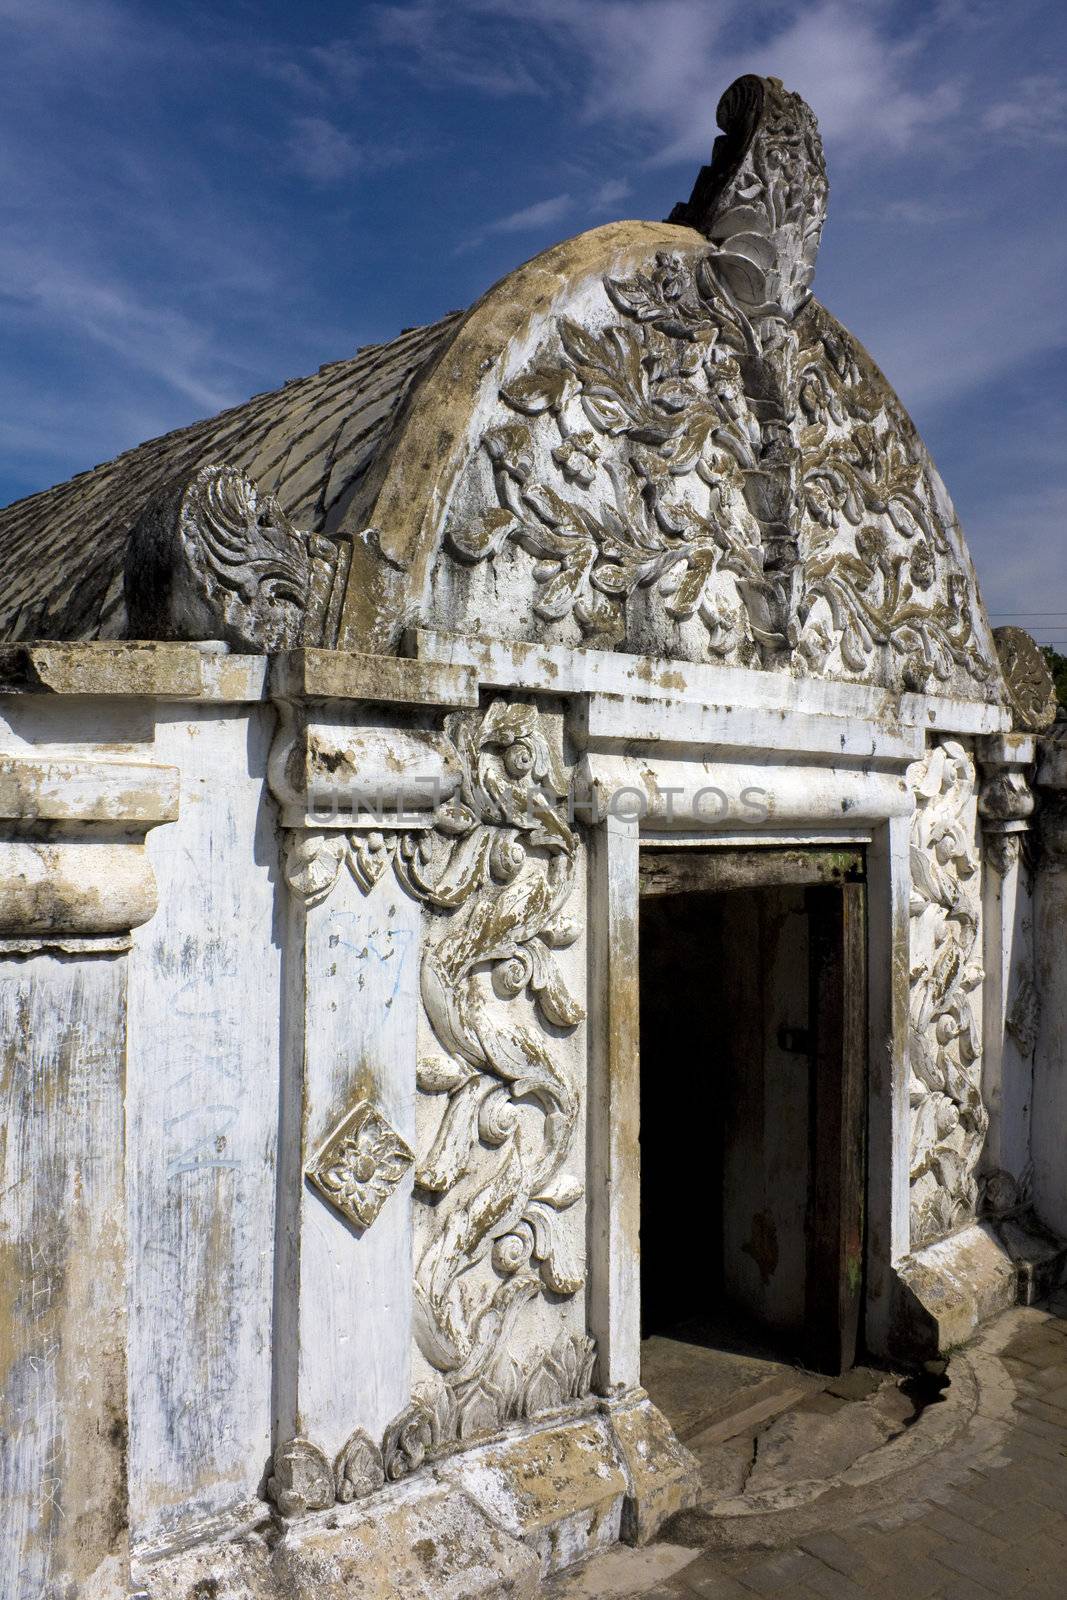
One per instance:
(310, 443)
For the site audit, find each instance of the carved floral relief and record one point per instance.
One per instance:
(497, 874)
(698, 461)
(948, 1119)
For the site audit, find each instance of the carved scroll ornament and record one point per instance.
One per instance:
(948, 1119)
(212, 557)
(496, 872)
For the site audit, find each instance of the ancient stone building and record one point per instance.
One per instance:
(571, 723)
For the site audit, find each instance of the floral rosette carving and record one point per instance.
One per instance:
(948, 1119)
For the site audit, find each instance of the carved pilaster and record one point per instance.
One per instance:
(1005, 798)
(949, 1119)
(1010, 1003)
(434, 847)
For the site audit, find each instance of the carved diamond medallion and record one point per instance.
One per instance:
(360, 1164)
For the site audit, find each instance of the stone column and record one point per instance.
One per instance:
(74, 880)
(1009, 996)
(1050, 939)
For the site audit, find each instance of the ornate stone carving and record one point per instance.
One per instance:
(360, 1164)
(213, 558)
(701, 463)
(1024, 1015)
(999, 1193)
(359, 1469)
(301, 1479)
(1027, 680)
(1005, 803)
(497, 871)
(762, 201)
(949, 1120)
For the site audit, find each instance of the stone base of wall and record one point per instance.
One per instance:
(948, 1288)
(493, 1520)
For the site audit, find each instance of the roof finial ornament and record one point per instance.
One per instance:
(762, 200)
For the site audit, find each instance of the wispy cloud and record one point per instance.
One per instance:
(1034, 113)
(422, 41)
(609, 194)
(913, 212)
(318, 71)
(321, 151)
(542, 214)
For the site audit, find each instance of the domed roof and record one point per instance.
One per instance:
(651, 438)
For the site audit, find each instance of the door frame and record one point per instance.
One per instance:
(834, 882)
(881, 824)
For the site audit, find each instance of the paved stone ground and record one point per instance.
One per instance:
(1000, 1532)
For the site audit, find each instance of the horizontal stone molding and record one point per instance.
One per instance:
(735, 797)
(126, 669)
(61, 791)
(563, 670)
(604, 721)
(82, 888)
(375, 680)
(72, 860)
(327, 774)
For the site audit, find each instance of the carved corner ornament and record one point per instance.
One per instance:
(213, 557)
(1028, 683)
(360, 1164)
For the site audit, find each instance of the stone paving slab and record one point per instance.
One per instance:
(999, 1528)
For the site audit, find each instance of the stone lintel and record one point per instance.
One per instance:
(616, 722)
(313, 674)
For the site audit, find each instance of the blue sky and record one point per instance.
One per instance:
(200, 201)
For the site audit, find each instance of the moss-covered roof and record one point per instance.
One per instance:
(310, 443)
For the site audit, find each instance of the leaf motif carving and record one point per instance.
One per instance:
(949, 1120)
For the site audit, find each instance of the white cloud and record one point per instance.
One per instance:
(1035, 113)
(657, 65)
(609, 194)
(321, 151)
(58, 296)
(542, 214)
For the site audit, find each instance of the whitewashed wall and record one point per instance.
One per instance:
(203, 1094)
(62, 1256)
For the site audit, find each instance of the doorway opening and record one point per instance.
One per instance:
(753, 1115)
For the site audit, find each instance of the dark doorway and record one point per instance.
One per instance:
(753, 1082)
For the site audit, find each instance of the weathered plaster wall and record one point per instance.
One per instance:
(62, 1256)
(205, 1018)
